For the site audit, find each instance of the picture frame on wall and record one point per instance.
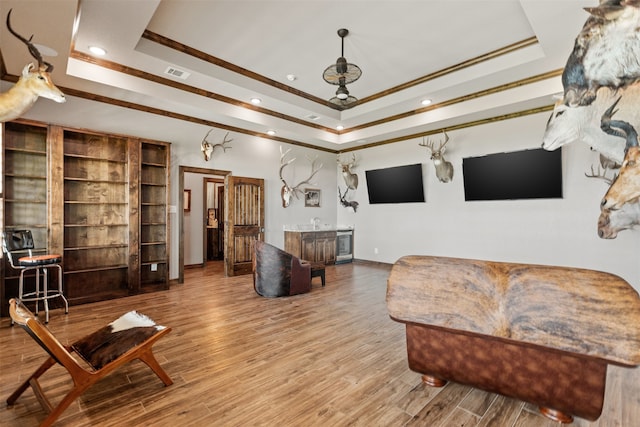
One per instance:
(311, 197)
(187, 200)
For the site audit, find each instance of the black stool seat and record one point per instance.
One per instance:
(30, 261)
(317, 270)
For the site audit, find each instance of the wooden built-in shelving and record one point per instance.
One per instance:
(154, 185)
(96, 222)
(100, 200)
(24, 194)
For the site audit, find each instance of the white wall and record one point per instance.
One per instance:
(556, 231)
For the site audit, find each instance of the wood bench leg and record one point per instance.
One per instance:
(433, 381)
(555, 415)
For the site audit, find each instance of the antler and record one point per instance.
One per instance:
(32, 49)
(600, 174)
(283, 164)
(224, 141)
(207, 147)
(287, 191)
(348, 165)
(314, 171)
(429, 144)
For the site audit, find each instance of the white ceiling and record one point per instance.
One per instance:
(431, 43)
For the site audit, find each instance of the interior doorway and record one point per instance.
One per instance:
(196, 199)
(213, 195)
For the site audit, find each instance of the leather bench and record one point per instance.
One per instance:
(541, 334)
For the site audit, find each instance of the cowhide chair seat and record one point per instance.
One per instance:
(128, 338)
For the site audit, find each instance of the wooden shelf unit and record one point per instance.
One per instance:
(154, 220)
(96, 216)
(24, 206)
(100, 200)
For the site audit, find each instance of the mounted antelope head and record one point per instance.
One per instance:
(350, 178)
(32, 84)
(347, 203)
(444, 169)
(612, 221)
(207, 147)
(626, 186)
(288, 191)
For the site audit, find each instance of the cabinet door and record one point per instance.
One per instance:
(326, 249)
(308, 247)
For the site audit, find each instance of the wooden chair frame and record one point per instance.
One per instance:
(83, 377)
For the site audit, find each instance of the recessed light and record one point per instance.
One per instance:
(339, 127)
(97, 50)
(255, 101)
(271, 132)
(291, 77)
(425, 101)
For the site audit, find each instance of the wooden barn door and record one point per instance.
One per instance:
(244, 222)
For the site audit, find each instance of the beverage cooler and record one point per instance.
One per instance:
(344, 245)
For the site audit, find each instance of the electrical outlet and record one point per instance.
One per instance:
(154, 267)
(375, 251)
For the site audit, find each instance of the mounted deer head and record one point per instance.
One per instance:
(31, 85)
(350, 178)
(288, 191)
(207, 148)
(444, 169)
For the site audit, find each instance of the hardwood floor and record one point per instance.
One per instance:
(332, 357)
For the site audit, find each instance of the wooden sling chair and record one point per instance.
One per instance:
(128, 338)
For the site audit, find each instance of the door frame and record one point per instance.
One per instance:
(181, 171)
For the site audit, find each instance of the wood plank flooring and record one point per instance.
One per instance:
(332, 357)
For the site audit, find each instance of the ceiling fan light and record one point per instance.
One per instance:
(342, 72)
(342, 92)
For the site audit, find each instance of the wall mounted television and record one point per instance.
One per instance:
(528, 174)
(400, 184)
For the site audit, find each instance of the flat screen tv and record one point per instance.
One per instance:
(400, 184)
(528, 174)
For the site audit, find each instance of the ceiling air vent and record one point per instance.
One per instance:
(176, 72)
(313, 117)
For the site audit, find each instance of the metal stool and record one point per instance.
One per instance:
(21, 240)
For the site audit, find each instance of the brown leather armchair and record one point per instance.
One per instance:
(277, 273)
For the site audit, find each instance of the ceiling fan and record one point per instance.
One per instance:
(341, 74)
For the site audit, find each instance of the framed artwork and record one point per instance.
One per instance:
(187, 200)
(312, 197)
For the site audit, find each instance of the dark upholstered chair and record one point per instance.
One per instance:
(277, 273)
